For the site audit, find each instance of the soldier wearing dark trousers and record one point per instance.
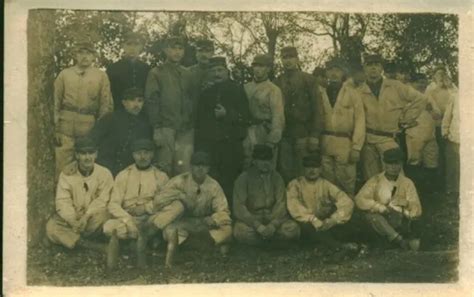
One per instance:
(221, 126)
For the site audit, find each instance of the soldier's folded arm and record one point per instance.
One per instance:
(296, 208)
(416, 103)
(106, 102)
(240, 209)
(103, 191)
(344, 205)
(358, 135)
(365, 198)
(279, 210)
(413, 210)
(118, 194)
(171, 192)
(220, 208)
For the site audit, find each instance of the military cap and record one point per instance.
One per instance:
(289, 51)
(85, 145)
(394, 155)
(376, 58)
(174, 41)
(132, 37)
(205, 44)
(262, 152)
(263, 60)
(142, 144)
(132, 93)
(336, 63)
(85, 46)
(313, 160)
(217, 61)
(201, 158)
(319, 71)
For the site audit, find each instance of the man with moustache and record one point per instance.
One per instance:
(170, 105)
(390, 202)
(132, 204)
(81, 96)
(317, 204)
(204, 208)
(344, 128)
(389, 107)
(303, 115)
(202, 77)
(129, 71)
(259, 203)
(267, 116)
(221, 125)
(116, 131)
(82, 194)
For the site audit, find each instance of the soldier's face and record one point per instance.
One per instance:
(199, 172)
(263, 166)
(260, 72)
(132, 49)
(289, 62)
(219, 74)
(143, 158)
(133, 106)
(373, 70)
(86, 159)
(312, 173)
(174, 53)
(393, 169)
(335, 74)
(84, 58)
(203, 55)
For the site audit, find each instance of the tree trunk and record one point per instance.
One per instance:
(40, 145)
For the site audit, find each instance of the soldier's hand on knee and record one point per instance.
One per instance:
(269, 231)
(261, 229)
(132, 230)
(210, 222)
(382, 208)
(75, 225)
(328, 224)
(83, 223)
(317, 224)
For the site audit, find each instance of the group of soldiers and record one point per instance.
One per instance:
(172, 151)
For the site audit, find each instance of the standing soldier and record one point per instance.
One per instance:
(81, 96)
(200, 72)
(132, 204)
(221, 126)
(450, 132)
(169, 102)
(266, 109)
(344, 128)
(259, 203)
(390, 202)
(303, 115)
(129, 71)
(320, 76)
(389, 106)
(116, 131)
(82, 195)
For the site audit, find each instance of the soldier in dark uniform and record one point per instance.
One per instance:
(200, 71)
(116, 131)
(221, 126)
(129, 71)
(303, 115)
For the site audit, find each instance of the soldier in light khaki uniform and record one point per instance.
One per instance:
(316, 203)
(132, 203)
(82, 194)
(266, 109)
(390, 202)
(344, 128)
(81, 96)
(389, 105)
(204, 208)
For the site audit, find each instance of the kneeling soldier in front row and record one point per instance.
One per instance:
(132, 204)
(82, 194)
(315, 202)
(204, 207)
(391, 202)
(260, 202)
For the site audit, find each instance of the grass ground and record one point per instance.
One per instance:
(437, 261)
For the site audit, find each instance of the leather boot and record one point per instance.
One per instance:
(141, 251)
(113, 252)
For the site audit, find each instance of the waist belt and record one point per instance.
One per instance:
(382, 133)
(337, 134)
(79, 110)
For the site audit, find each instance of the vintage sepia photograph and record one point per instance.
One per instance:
(214, 147)
(234, 146)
